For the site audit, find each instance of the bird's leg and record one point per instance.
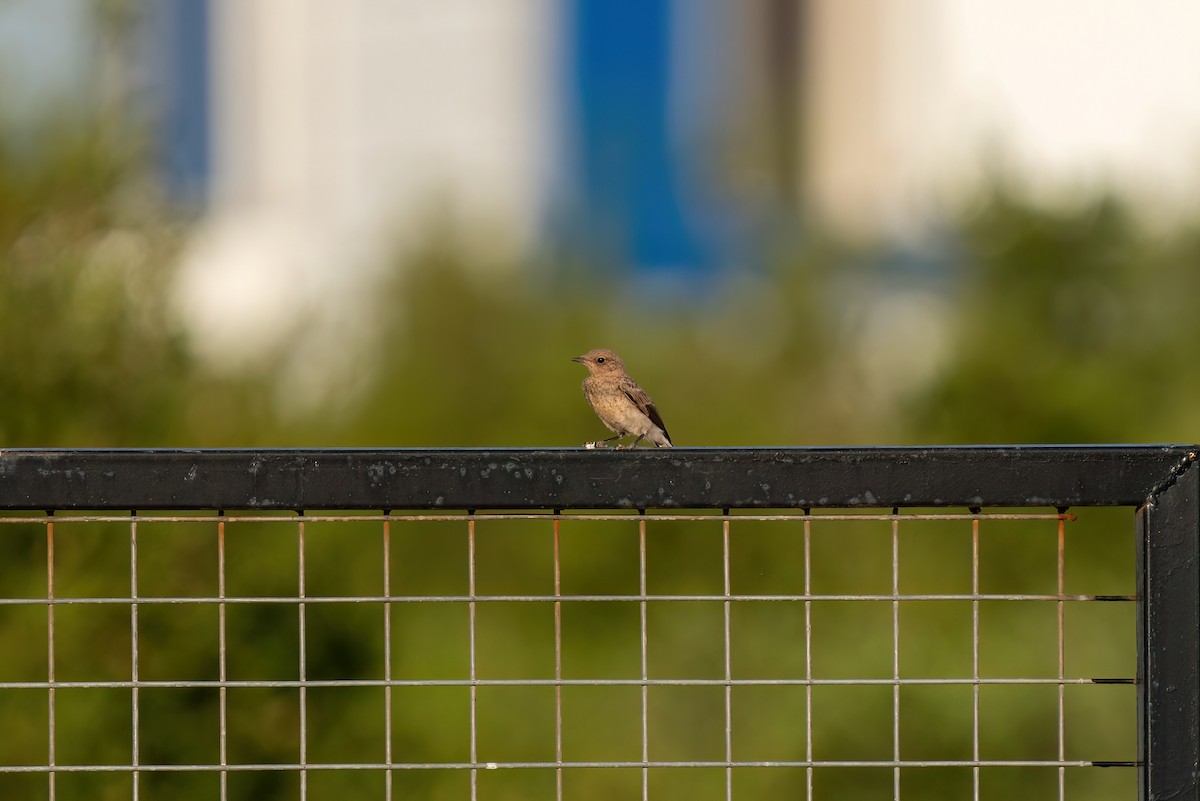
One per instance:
(600, 443)
(631, 445)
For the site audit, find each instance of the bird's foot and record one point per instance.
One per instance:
(591, 446)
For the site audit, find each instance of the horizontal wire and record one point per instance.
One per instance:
(458, 518)
(311, 766)
(296, 683)
(462, 599)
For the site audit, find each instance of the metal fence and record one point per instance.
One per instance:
(682, 623)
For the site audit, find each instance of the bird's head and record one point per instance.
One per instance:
(600, 361)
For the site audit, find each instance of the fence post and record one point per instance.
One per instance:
(1168, 670)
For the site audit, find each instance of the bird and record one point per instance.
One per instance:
(622, 405)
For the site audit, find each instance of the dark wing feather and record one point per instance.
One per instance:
(640, 399)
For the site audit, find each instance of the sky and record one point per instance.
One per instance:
(45, 51)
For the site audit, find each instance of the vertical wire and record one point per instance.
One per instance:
(471, 635)
(728, 662)
(51, 757)
(645, 672)
(222, 659)
(558, 672)
(387, 654)
(1062, 543)
(896, 652)
(133, 649)
(303, 665)
(975, 657)
(808, 671)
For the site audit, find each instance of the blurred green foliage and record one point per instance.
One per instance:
(1046, 324)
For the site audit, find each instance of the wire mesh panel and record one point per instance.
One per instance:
(578, 655)
(903, 652)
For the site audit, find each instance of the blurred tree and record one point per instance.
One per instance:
(1071, 326)
(87, 351)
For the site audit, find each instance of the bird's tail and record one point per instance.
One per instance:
(659, 437)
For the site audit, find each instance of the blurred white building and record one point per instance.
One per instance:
(909, 101)
(339, 131)
(335, 120)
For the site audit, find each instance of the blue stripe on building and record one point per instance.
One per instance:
(625, 183)
(184, 35)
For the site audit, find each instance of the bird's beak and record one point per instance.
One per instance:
(578, 359)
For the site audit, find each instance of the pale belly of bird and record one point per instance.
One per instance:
(628, 421)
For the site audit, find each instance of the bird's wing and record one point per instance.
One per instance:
(641, 400)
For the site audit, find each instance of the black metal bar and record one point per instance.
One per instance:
(1168, 631)
(743, 478)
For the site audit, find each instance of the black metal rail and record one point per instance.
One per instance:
(515, 478)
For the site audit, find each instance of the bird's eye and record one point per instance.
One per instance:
(601, 360)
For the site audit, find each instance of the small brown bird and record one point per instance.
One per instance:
(622, 405)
